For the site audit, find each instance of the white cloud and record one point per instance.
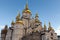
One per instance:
(1, 27)
(58, 30)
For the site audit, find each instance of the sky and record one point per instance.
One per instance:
(48, 11)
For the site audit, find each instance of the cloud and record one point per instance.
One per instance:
(58, 30)
(1, 27)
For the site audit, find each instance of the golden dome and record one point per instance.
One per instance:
(20, 21)
(49, 28)
(26, 10)
(37, 21)
(52, 29)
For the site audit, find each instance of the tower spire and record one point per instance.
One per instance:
(50, 28)
(18, 16)
(26, 7)
(36, 15)
(36, 18)
(49, 24)
(26, 10)
(44, 26)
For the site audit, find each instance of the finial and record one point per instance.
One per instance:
(18, 16)
(6, 26)
(26, 5)
(36, 15)
(50, 28)
(44, 26)
(49, 24)
(18, 13)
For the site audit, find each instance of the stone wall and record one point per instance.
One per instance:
(32, 36)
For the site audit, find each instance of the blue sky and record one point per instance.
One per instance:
(48, 10)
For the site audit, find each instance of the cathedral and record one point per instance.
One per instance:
(27, 28)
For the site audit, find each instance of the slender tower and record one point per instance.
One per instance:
(18, 29)
(26, 16)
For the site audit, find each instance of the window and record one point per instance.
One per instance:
(51, 34)
(51, 37)
(36, 25)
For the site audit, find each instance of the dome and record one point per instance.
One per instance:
(12, 23)
(20, 21)
(37, 21)
(26, 10)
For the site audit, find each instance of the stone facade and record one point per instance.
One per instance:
(27, 28)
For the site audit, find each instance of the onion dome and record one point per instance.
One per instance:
(18, 19)
(26, 10)
(52, 29)
(49, 28)
(36, 18)
(37, 21)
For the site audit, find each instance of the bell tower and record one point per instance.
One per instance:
(26, 16)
